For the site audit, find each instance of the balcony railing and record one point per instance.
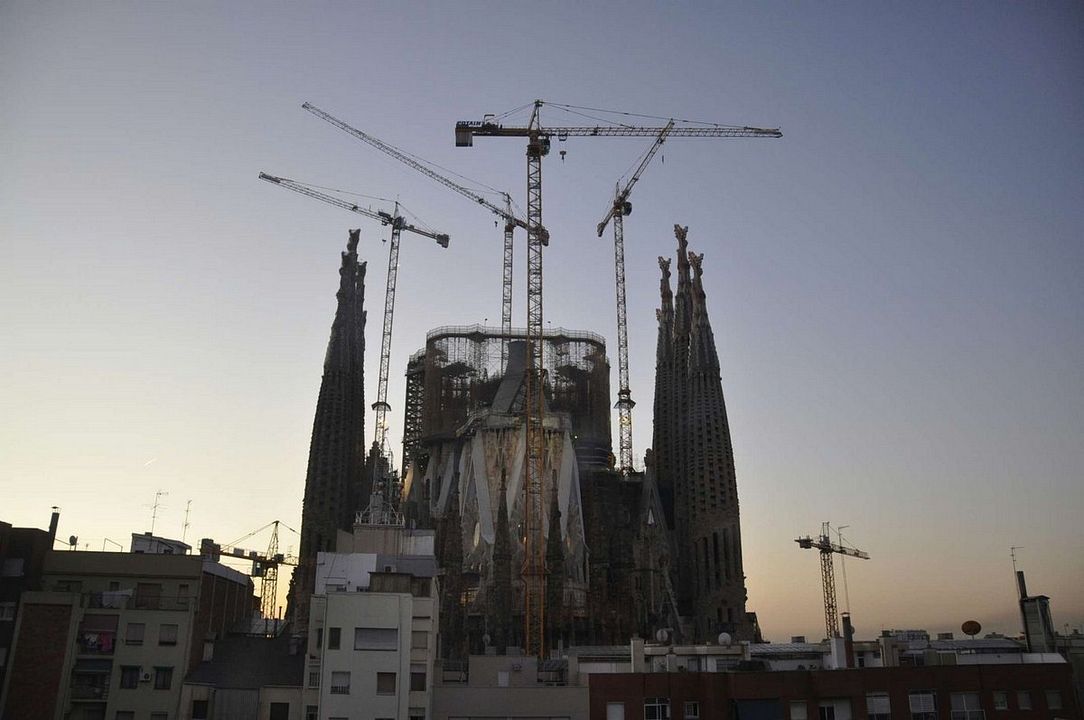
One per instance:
(122, 601)
(453, 671)
(89, 692)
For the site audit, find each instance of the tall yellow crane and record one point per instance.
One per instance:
(398, 225)
(617, 212)
(511, 221)
(265, 565)
(538, 145)
(827, 548)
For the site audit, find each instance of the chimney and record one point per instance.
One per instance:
(53, 522)
(1020, 585)
(848, 639)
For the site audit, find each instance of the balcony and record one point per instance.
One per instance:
(90, 680)
(89, 692)
(453, 672)
(125, 600)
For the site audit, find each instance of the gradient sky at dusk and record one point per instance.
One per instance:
(895, 285)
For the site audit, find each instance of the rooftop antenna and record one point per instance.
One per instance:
(158, 495)
(1012, 553)
(187, 509)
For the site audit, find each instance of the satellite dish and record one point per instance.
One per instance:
(972, 628)
(725, 639)
(662, 635)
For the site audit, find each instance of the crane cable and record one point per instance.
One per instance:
(641, 115)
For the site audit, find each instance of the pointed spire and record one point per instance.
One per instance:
(555, 570)
(702, 352)
(500, 605)
(337, 445)
(683, 312)
(665, 314)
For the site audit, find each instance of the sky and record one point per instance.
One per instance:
(895, 285)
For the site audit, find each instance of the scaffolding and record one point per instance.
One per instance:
(462, 371)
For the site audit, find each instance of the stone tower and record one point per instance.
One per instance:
(334, 480)
(694, 459)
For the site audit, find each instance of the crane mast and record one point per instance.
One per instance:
(538, 142)
(618, 210)
(398, 225)
(264, 565)
(827, 549)
(511, 221)
(381, 406)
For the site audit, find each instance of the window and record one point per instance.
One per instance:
(417, 678)
(319, 638)
(280, 711)
(1001, 700)
(923, 705)
(502, 678)
(159, 716)
(167, 634)
(834, 709)
(340, 681)
(163, 678)
(419, 640)
(311, 712)
(656, 708)
(416, 714)
(333, 635)
(376, 638)
(148, 595)
(877, 706)
(798, 710)
(385, 683)
(12, 567)
(199, 709)
(615, 711)
(129, 676)
(7, 611)
(314, 678)
(125, 715)
(692, 710)
(134, 634)
(1023, 700)
(966, 706)
(1053, 700)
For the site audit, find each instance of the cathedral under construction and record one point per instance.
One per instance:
(626, 553)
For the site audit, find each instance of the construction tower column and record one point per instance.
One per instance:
(534, 573)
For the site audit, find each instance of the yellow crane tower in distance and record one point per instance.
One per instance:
(827, 548)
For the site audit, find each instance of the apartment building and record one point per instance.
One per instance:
(22, 557)
(373, 627)
(112, 635)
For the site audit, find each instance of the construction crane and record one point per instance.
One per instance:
(618, 210)
(398, 225)
(265, 565)
(511, 221)
(538, 145)
(828, 576)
